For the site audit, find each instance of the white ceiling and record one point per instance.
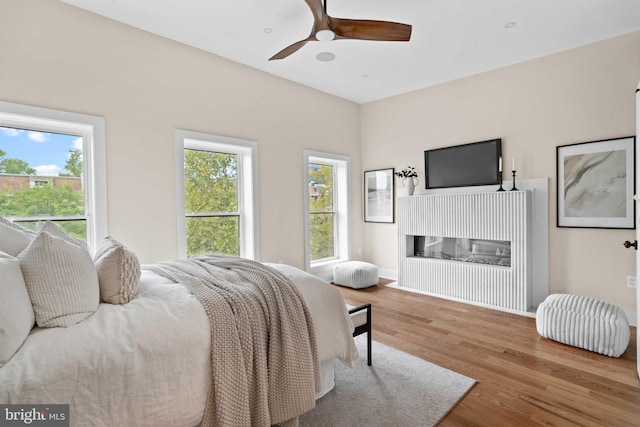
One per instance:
(450, 38)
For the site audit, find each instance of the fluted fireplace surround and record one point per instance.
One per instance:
(484, 248)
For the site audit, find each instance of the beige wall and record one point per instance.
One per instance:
(581, 95)
(56, 56)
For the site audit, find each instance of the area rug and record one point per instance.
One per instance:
(398, 390)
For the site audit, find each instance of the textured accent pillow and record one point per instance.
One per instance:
(118, 271)
(55, 230)
(13, 238)
(61, 279)
(16, 314)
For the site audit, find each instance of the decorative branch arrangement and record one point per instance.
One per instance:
(408, 172)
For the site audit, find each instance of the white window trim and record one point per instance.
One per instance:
(92, 131)
(247, 152)
(342, 167)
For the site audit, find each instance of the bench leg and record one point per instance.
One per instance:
(364, 328)
(369, 336)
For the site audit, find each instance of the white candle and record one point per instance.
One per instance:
(513, 167)
(500, 164)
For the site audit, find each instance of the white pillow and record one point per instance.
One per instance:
(118, 271)
(13, 238)
(16, 314)
(61, 279)
(55, 230)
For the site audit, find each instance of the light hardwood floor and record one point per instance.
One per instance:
(523, 379)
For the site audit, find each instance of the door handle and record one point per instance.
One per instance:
(627, 244)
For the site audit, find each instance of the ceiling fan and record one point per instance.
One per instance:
(327, 28)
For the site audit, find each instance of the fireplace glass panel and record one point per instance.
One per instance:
(480, 251)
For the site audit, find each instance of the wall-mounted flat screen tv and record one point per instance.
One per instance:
(463, 165)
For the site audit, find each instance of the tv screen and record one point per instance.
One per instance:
(463, 165)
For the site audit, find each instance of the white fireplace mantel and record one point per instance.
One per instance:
(517, 217)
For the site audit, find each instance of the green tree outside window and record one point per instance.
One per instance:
(211, 202)
(321, 211)
(43, 201)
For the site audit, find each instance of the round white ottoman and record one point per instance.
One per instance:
(355, 274)
(584, 322)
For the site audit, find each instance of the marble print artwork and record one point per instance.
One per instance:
(595, 185)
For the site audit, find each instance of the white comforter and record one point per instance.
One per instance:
(147, 362)
(333, 325)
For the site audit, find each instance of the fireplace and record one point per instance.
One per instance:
(478, 251)
(471, 247)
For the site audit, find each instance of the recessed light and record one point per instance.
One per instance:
(268, 30)
(510, 25)
(325, 35)
(325, 56)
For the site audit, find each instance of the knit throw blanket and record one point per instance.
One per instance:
(263, 346)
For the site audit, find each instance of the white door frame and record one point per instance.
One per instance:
(637, 230)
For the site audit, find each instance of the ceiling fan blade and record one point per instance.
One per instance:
(319, 16)
(364, 29)
(289, 49)
(320, 22)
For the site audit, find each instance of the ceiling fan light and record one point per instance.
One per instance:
(325, 35)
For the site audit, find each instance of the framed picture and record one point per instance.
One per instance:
(379, 196)
(596, 184)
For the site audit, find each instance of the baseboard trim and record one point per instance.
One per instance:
(388, 274)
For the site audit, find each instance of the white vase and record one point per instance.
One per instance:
(410, 184)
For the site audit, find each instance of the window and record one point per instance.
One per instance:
(326, 209)
(216, 195)
(33, 181)
(322, 212)
(52, 167)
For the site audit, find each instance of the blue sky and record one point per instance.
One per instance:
(47, 153)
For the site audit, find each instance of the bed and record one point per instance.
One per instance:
(149, 361)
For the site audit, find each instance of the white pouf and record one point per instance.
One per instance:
(584, 322)
(355, 274)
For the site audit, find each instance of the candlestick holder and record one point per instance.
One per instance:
(513, 172)
(500, 189)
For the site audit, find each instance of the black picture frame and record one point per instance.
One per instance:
(379, 196)
(596, 184)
